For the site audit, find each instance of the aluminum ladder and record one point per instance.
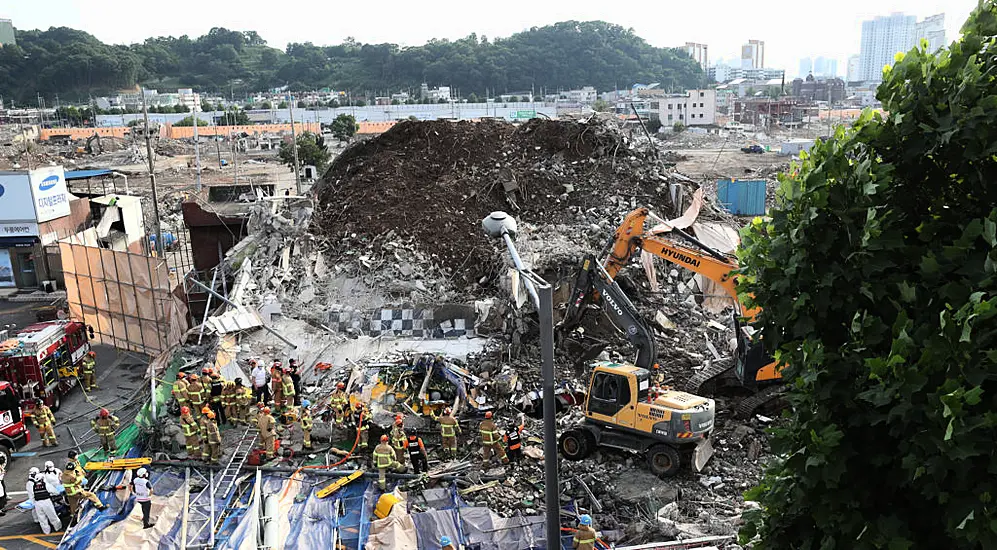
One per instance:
(229, 476)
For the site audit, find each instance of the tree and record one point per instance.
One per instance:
(653, 124)
(247, 107)
(311, 152)
(282, 105)
(395, 102)
(678, 127)
(207, 107)
(234, 117)
(302, 105)
(472, 98)
(773, 92)
(181, 108)
(876, 272)
(266, 105)
(600, 105)
(344, 127)
(185, 121)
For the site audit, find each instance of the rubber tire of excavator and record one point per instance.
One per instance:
(576, 444)
(663, 460)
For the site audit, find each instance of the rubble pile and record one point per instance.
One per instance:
(434, 181)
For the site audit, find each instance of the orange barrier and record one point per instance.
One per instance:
(182, 132)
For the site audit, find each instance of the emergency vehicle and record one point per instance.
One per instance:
(13, 433)
(42, 361)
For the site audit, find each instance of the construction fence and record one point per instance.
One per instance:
(129, 300)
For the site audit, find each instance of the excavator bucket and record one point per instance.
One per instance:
(702, 455)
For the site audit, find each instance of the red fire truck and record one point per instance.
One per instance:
(13, 433)
(41, 362)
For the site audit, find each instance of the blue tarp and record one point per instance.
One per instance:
(84, 174)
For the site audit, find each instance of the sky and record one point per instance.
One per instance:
(791, 30)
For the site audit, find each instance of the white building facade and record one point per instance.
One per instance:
(694, 108)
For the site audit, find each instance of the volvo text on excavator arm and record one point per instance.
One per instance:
(592, 279)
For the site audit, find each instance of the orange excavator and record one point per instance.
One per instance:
(754, 369)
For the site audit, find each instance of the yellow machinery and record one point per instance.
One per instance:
(623, 412)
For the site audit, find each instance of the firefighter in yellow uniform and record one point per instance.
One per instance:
(191, 433)
(72, 481)
(399, 441)
(490, 440)
(449, 428)
(104, 426)
(243, 402)
(384, 459)
(361, 417)
(268, 432)
(306, 423)
(287, 389)
(195, 396)
(228, 402)
(90, 371)
(338, 403)
(179, 390)
(585, 536)
(211, 448)
(277, 384)
(206, 378)
(45, 422)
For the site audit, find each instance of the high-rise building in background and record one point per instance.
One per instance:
(7, 33)
(853, 69)
(933, 30)
(825, 67)
(884, 36)
(699, 52)
(806, 67)
(753, 55)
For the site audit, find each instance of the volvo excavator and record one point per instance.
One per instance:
(622, 409)
(753, 368)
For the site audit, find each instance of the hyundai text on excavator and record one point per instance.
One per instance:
(622, 410)
(753, 368)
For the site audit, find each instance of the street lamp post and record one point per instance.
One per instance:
(501, 225)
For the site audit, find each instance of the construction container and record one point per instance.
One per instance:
(742, 197)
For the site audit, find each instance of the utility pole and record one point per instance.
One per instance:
(235, 158)
(197, 148)
(152, 178)
(294, 148)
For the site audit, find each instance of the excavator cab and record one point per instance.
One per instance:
(753, 365)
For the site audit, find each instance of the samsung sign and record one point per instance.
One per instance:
(30, 198)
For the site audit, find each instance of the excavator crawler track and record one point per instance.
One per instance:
(709, 373)
(746, 407)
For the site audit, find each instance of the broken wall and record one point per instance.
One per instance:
(128, 299)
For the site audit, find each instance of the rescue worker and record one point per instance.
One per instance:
(287, 388)
(44, 510)
(228, 402)
(45, 422)
(515, 441)
(206, 379)
(179, 390)
(217, 385)
(296, 378)
(243, 399)
(399, 441)
(446, 543)
(72, 454)
(449, 428)
(417, 453)
(490, 441)
(211, 447)
(361, 417)
(72, 482)
(191, 433)
(142, 489)
(105, 425)
(306, 423)
(258, 377)
(268, 432)
(195, 396)
(585, 535)
(90, 371)
(384, 459)
(277, 384)
(338, 402)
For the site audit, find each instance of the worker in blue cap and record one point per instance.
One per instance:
(445, 543)
(585, 536)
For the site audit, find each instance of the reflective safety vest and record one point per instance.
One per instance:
(288, 385)
(189, 425)
(585, 535)
(89, 365)
(306, 420)
(383, 456)
(398, 437)
(43, 416)
(415, 447)
(70, 482)
(105, 426)
(338, 399)
(448, 426)
(195, 393)
(179, 391)
(217, 385)
(489, 435)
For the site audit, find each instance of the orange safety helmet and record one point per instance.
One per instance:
(181, 375)
(398, 419)
(384, 438)
(92, 353)
(340, 386)
(210, 414)
(104, 413)
(447, 411)
(266, 410)
(488, 414)
(185, 410)
(205, 410)
(359, 405)
(208, 371)
(260, 405)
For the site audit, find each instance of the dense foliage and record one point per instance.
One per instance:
(344, 127)
(876, 272)
(311, 151)
(565, 55)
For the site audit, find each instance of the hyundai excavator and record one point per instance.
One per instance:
(753, 368)
(622, 409)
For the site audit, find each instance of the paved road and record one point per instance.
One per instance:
(118, 375)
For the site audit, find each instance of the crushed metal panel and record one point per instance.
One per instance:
(235, 320)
